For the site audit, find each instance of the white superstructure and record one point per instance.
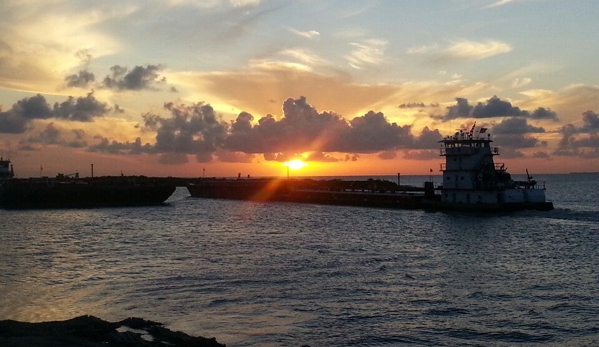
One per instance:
(5, 168)
(470, 175)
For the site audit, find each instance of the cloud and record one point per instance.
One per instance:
(137, 78)
(373, 132)
(471, 50)
(17, 118)
(541, 155)
(80, 80)
(590, 121)
(367, 52)
(234, 157)
(500, 3)
(330, 158)
(213, 4)
(516, 126)
(462, 109)
(493, 108)
(254, 90)
(304, 129)
(53, 134)
(193, 129)
(511, 153)
(310, 34)
(417, 105)
(575, 143)
(241, 17)
(298, 59)
(517, 141)
(82, 109)
(116, 147)
(427, 139)
(461, 51)
(521, 82)
(33, 64)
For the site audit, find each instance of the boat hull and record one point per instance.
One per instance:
(35, 194)
(337, 194)
(493, 208)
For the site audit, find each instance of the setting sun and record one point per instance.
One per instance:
(295, 164)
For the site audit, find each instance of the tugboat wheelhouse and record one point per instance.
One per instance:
(470, 175)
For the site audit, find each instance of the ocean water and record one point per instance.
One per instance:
(282, 274)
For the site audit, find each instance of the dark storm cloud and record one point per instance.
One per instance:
(196, 130)
(136, 79)
(50, 135)
(193, 129)
(17, 119)
(116, 147)
(80, 80)
(517, 141)
(53, 135)
(302, 128)
(516, 126)
(190, 130)
(590, 121)
(495, 107)
(492, 108)
(427, 139)
(580, 141)
(34, 107)
(372, 133)
(462, 109)
(82, 109)
(543, 113)
(11, 123)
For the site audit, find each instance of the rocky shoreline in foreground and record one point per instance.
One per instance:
(90, 331)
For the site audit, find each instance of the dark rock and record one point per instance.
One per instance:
(89, 331)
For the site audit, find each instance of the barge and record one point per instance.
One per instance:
(66, 191)
(472, 181)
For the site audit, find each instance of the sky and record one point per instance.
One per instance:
(195, 88)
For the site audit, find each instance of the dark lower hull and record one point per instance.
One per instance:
(81, 194)
(283, 191)
(492, 208)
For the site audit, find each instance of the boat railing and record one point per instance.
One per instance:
(491, 185)
(530, 185)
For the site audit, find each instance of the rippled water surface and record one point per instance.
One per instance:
(277, 274)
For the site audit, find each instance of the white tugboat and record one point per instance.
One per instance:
(472, 180)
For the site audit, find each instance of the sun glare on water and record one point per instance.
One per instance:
(295, 164)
